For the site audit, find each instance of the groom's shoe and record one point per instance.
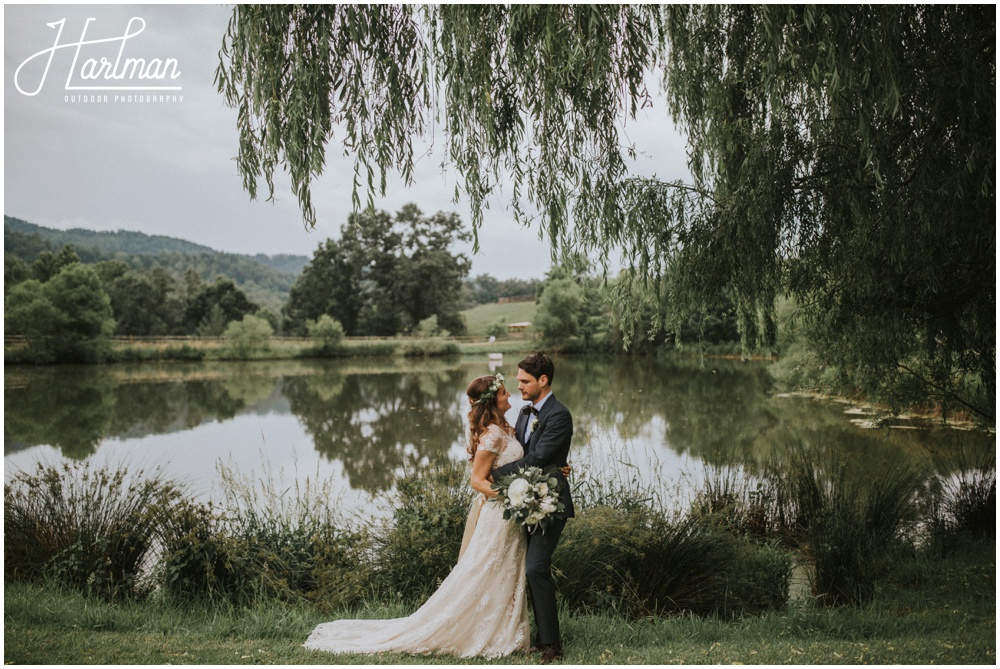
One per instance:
(551, 653)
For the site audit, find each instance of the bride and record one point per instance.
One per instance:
(480, 609)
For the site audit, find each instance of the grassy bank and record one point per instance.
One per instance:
(939, 611)
(110, 568)
(199, 349)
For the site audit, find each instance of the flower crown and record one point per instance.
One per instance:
(491, 392)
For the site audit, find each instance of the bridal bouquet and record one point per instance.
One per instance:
(529, 497)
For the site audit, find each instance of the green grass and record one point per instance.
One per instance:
(479, 318)
(934, 611)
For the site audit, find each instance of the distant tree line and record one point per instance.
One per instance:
(386, 275)
(485, 289)
(67, 309)
(265, 279)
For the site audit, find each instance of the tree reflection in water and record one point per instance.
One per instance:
(378, 424)
(377, 418)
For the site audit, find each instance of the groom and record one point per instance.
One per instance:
(545, 429)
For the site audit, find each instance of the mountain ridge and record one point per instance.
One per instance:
(266, 280)
(140, 243)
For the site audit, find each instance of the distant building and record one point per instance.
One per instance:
(518, 327)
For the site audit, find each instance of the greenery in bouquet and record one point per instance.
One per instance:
(530, 497)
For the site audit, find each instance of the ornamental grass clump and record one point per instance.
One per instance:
(965, 503)
(741, 503)
(95, 530)
(266, 541)
(851, 527)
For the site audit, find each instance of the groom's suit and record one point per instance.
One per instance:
(547, 447)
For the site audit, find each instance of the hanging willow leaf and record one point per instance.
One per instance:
(844, 155)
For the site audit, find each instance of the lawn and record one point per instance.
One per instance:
(934, 611)
(479, 318)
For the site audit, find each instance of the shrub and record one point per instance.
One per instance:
(327, 332)
(414, 348)
(419, 547)
(199, 561)
(757, 581)
(498, 330)
(94, 530)
(639, 563)
(429, 327)
(248, 335)
(850, 527)
(266, 545)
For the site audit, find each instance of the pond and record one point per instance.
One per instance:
(359, 424)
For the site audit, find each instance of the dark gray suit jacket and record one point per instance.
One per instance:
(547, 447)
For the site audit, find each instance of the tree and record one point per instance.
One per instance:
(66, 319)
(329, 285)
(213, 323)
(844, 155)
(15, 271)
(558, 311)
(145, 303)
(48, 264)
(232, 304)
(428, 281)
(384, 275)
(483, 289)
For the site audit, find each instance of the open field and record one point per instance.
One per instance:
(479, 318)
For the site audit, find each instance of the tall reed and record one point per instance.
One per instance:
(92, 529)
(846, 524)
(965, 503)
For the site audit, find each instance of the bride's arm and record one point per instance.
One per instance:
(481, 468)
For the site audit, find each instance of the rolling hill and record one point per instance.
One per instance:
(265, 279)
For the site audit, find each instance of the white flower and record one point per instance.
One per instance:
(548, 507)
(542, 489)
(517, 491)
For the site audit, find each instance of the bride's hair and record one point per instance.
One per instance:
(483, 412)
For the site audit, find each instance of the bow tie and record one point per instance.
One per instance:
(530, 409)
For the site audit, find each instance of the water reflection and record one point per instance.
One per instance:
(372, 419)
(378, 423)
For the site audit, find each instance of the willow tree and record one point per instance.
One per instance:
(844, 155)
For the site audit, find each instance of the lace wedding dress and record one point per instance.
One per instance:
(480, 609)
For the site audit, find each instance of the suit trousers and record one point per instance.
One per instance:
(540, 582)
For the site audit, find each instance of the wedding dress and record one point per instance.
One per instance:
(480, 609)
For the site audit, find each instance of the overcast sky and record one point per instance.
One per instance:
(167, 168)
